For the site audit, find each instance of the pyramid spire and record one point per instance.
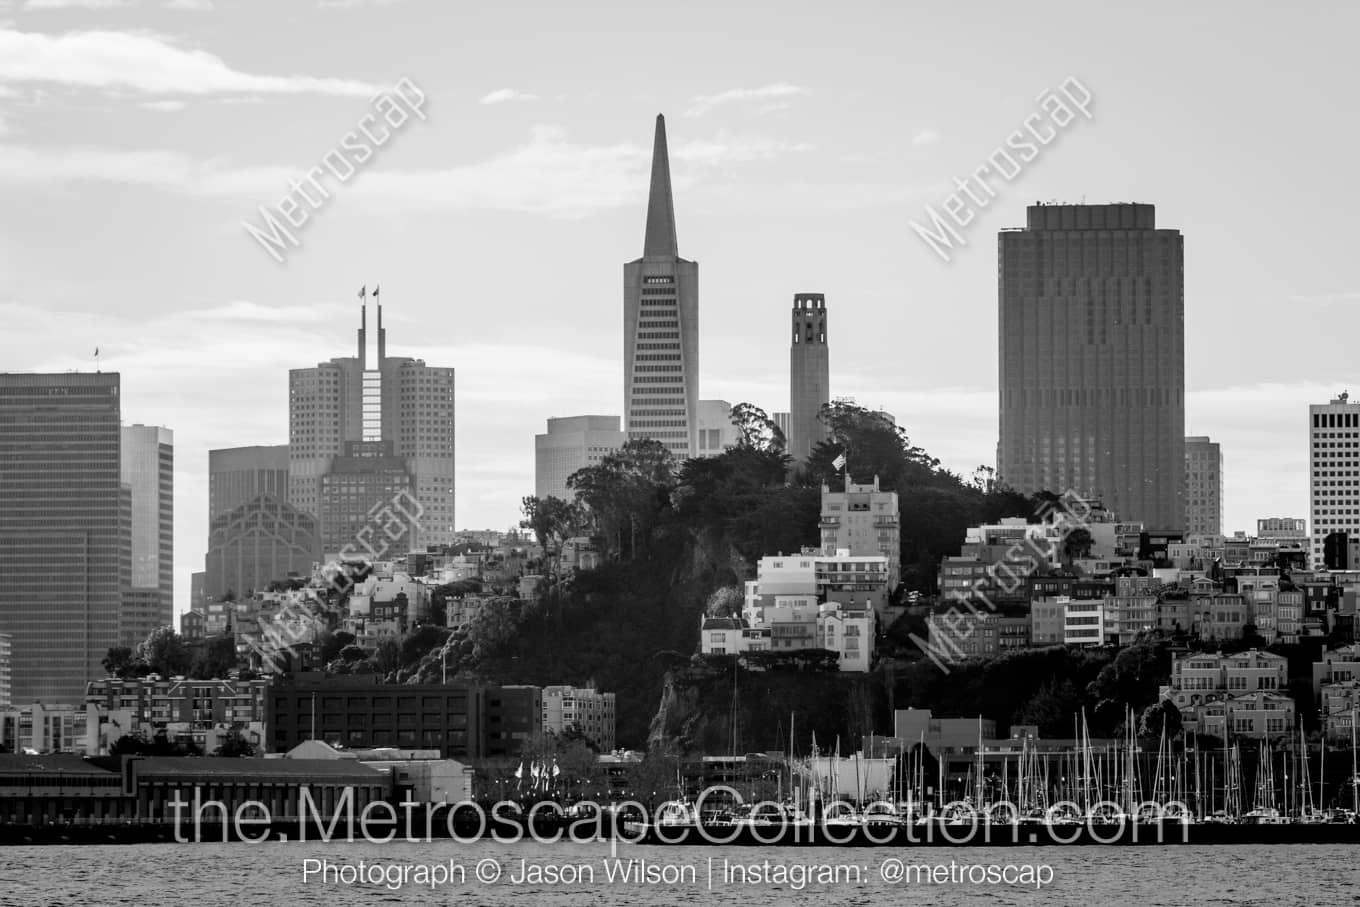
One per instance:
(660, 238)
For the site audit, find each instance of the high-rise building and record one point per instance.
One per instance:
(1203, 486)
(1334, 500)
(148, 469)
(661, 325)
(255, 543)
(6, 673)
(340, 408)
(864, 520)
(64, 529)
(1092, 359)
(572, 443)
(809, 374)
(583, 708)
(240, 474)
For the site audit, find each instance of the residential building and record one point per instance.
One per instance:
(587, 709)
(65, 529)
(1084, 623)
(963, 633)
(1048, 621)
(572, 443)
(1257, 715)
(864, 520)
(1203, 486)
(731, 636)
(256, 542)
(351, 421)
(240, 474)
(201, 712)
(1334, 467)
(817, 577)
(716, 433)
(45, 728)
(1201, 680)
(1220, 616)
(1339, 703)
(809, 375)
(661, 324)
(1092, 359)
(1336, 666)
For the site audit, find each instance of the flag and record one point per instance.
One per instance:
(363, 291)
(838, 463)
(96, 351)
(555, 770)
(375, 291)
(519, 772)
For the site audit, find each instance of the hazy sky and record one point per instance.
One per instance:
(136, 137)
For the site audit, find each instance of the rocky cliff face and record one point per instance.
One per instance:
(714, 706)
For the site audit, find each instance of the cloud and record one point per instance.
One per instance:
(925, 137)
(548, 175)
(1327, 298)
(76, 4)
(502, 95)
(192, 6)
(702, 104)
(174, 374)
(163, 106)
(147, 63)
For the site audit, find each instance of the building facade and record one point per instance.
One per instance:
(864, 520)
(373, 399)
(240, 474)
(6, 673)
(572, 443)
(356, 712)
(65, 529)
(715, 431)
(1203, 486)
(256, 542)
(587, 709)
(661, 325)
(1334, 456)
(809, 375)
(148, 468)
(1092, 359)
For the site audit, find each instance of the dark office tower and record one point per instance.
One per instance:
(809, 374)
(661, 325)
(364, 429)
(1092, 367)
(240, 474)
(64, 529)
(148, 469)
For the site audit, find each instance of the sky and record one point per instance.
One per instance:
(138, 138)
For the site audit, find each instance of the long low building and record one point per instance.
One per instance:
(67, 789)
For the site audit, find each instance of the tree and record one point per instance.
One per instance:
(756, 429)
(1077, 544)
(235, 745)
(627, 494)
(121, 661)
(331, 644)
(164, 652)
(552, 521)
(1160, 717)
(216, 658)
(725, 601)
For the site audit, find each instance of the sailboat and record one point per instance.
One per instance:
(1264, 811)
